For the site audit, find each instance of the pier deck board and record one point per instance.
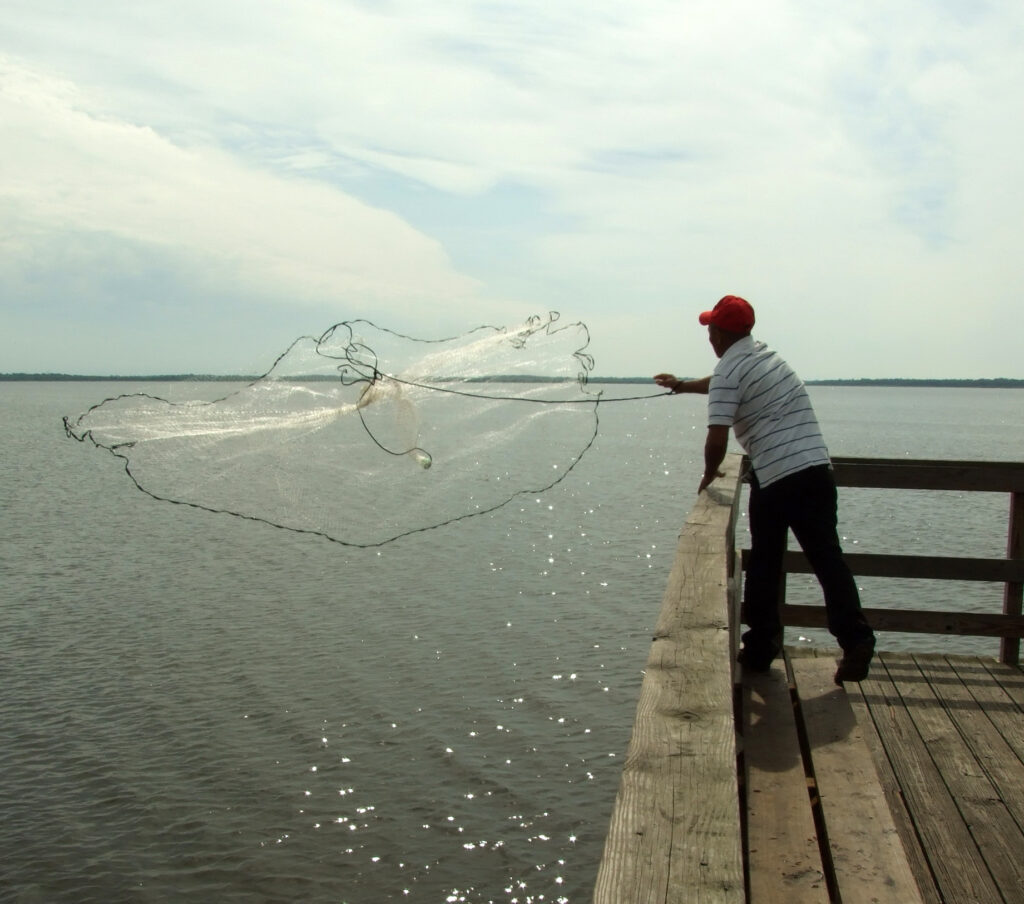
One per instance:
(906, 787)
(915, 776)
(781, 787)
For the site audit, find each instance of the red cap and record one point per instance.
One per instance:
(732, 314)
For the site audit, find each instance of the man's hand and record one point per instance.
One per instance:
(674, 384)
(706, 480)
(714, 454)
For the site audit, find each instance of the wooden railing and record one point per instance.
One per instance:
(675, 832)
(969, 476)
(675, 829)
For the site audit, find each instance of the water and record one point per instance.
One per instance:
(201, 708)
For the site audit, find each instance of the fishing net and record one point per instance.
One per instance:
(364, 435)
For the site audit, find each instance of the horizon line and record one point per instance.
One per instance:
(56, 377)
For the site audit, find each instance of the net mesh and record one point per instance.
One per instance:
(364, 435)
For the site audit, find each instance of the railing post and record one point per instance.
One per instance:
(1013, 592)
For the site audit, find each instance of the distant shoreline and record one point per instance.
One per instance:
(982, 383)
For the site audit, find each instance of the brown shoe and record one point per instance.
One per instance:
(855, 662)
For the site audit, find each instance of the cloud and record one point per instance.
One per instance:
(853, 165)
(70, 169)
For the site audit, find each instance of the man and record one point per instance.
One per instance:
(753, 391)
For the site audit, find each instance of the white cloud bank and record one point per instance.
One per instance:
(65, 168)
(853, 170)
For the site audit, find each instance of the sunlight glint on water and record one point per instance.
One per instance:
(198, 707)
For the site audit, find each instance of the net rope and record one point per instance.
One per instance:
(364, 435)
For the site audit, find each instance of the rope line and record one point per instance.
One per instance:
(358, 364)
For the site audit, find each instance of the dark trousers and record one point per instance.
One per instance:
(804, 502)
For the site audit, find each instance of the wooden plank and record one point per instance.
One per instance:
(867, 854)
(1002, 477)
(1013, 593)
(1010, 679)
(953, 857)
(783, 857)
(675, 827)
(990, 748)
(918, 621)
(987, 683)
(989, 821)
(894, 797)
(940, 568)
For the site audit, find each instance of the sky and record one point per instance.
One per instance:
(187, 187)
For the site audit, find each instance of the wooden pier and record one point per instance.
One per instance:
(783, 787)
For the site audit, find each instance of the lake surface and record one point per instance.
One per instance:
(198, 707)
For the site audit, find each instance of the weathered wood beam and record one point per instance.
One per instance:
(866, 853)
(912, 474)
(915, 621)
(1013, 593)
(943, 568)
(675, 828)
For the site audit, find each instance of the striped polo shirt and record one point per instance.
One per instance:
(757, 394)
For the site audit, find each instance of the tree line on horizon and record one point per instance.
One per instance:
(981, 382)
